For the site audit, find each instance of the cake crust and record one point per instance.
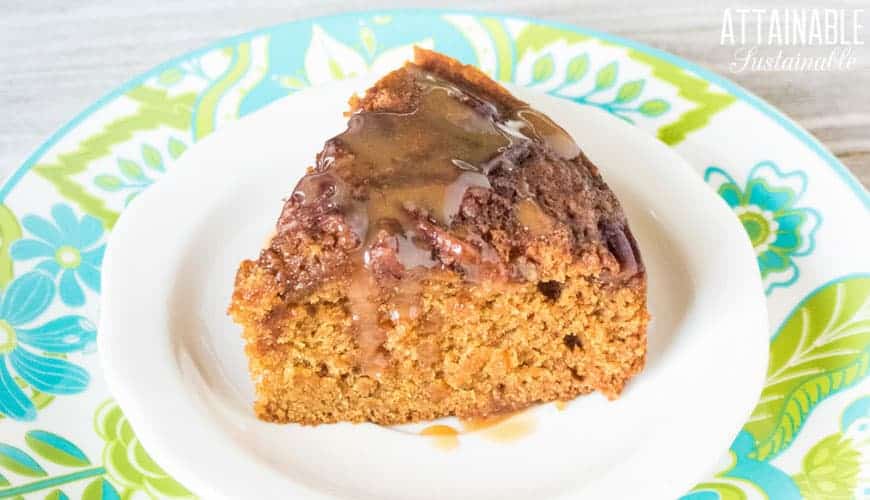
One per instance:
(452, 253)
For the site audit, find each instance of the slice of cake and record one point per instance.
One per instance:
(453, 252)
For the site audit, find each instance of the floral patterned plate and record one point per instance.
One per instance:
(62, 436)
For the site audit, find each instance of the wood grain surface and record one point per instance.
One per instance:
(59, 56)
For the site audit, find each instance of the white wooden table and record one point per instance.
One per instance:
(58, 56)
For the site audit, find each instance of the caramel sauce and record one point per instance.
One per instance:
(364, 312)
(547, 130)
(485, 423)
(504, 428)
(510, 430)
(444, 436)
(405, 304)
(399, 180)
(533, 218)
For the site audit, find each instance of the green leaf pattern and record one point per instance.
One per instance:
(10, 231)
(131, 177)
(577, 68)
(126, 462)
(629, 91)
(132, 171)
(100, 489)
(823, 347)
(152, 157)
(19, 462)
(328, 59)
(55, 449)
(56, 495)
(126, 470)
(592, 76)
(654, 107)
(175, 148)
(625, 100)
(543, 69)
(606, 77)
(830, 469)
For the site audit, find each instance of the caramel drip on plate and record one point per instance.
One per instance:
(510, 430)
(399, 179)
(443, 436)
(484, 423)
(503, 428)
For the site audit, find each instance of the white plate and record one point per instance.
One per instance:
(165, 340)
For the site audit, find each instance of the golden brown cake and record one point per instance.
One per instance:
(453, 252)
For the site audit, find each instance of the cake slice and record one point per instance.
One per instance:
(452, 252)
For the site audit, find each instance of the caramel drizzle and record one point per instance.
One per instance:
(414, 169)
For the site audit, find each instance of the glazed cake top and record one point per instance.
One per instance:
(441, 168)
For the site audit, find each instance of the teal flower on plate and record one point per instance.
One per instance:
(768, 207)
(67, 249)
(35, 352)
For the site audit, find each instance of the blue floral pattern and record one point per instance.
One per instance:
(67, 249)
(36, 352)
(778, 228)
